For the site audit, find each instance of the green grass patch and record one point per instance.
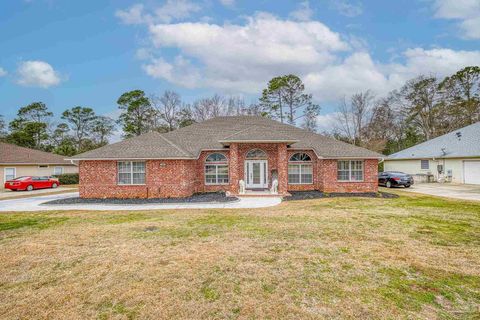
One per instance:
(209, 292)
(12, 222)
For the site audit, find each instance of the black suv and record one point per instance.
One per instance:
(394, 178)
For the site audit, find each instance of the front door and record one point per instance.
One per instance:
(256, 174)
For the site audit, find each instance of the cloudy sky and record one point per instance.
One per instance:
(69, 53)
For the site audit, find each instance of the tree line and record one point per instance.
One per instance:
(423, 108)
(80, 129)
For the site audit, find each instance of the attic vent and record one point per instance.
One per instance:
(459, 135)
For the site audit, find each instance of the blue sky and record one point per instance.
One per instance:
(69, 53)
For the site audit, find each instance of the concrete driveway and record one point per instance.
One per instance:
(457, 191)
(35, 204)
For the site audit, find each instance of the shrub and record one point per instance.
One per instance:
(68, 178)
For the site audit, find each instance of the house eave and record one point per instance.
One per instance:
(288, 141)
(130, 158)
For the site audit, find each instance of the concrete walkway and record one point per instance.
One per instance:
(457, 191)
(34, 204)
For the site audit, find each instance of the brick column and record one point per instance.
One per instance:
(282, 163)
(234, 166)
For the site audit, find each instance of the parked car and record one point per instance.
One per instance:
(394, 178)
(30, 183)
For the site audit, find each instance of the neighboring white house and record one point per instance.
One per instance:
(454, 157)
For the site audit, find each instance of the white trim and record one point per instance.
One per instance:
(301, 164)
(5, 173)
(131, 175)
(263, 167)
(216, 165)
(257, 141)
(350, 171)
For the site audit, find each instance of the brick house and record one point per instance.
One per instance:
(215, 155)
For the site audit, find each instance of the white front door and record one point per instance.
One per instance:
(256, 174)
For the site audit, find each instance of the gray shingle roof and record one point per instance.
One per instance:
(464, 142)
(12, 154)
(213, 134)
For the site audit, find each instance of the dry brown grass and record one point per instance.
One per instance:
(412, 257)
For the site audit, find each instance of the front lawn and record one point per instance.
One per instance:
(411, 257)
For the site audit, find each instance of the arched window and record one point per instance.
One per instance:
(216, 157)
(300, 157)
(300, 169)
(256, 154)
(216, 169)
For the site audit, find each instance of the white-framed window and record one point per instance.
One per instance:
(300, 169)
(10, 173)
(131, 172)
(350, 170)
(57, 171)
(216, 169)
(424, 164)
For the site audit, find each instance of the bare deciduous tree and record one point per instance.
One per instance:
(354, 117)
(168, 106)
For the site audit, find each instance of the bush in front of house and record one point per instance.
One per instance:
(68, 178)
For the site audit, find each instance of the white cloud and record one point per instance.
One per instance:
(3, 72)
(180, 71)
(36, 73)
(467, 12)
(171, 10)
(241, 58)
(327, 122)
(347, 8)
(133, 15)
(303, 13)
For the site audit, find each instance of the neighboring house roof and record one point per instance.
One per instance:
(461, 143)
(11, 154)
(214, 134)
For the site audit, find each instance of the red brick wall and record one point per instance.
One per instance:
(369, 184)
(164, 178)
(179, 178)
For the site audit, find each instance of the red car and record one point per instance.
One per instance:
(30, 183)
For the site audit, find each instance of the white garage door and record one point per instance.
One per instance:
(472, 172)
